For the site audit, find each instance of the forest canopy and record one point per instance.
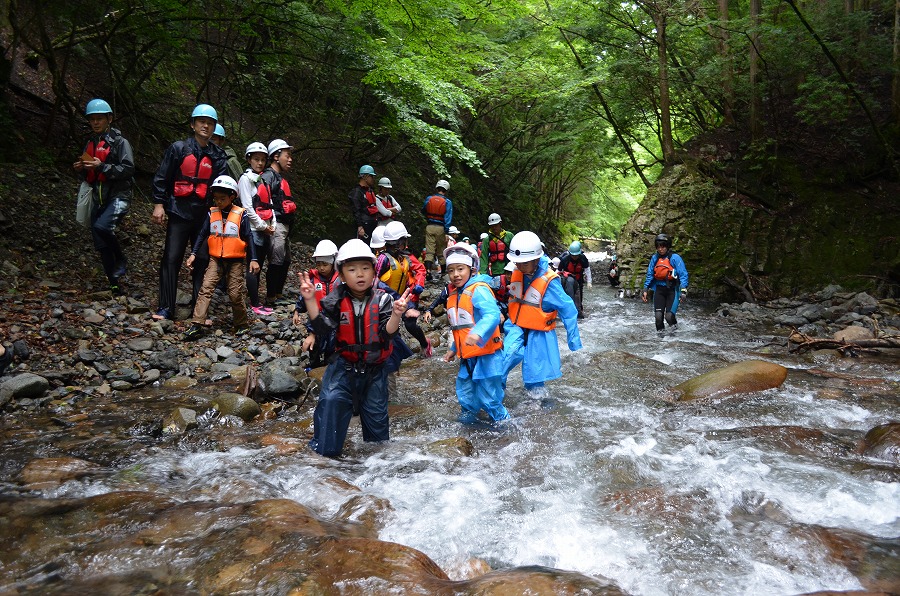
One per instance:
(559, 113)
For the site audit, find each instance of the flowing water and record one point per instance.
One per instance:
(599, 473)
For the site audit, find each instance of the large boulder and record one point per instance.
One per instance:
(882, 442)
(234, 404)
(22, 386)
(740, 377)
(280, 378)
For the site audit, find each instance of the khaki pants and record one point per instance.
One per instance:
(435, 242)
(233, 270)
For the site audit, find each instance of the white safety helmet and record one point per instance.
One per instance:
(442, 184)
(524, 247)
(255, 147)
(278, 145)
(461, 253)
(494, 218)
(394, 231)
(555, 262)
(510, 267)
(325, 250)
(226, 182)
(453, 230)
(385, 182)
(484, 235)
(354, 249)
(377, 240)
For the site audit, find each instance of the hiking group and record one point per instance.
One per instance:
(503, 298)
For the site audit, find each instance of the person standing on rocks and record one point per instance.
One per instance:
(494, 247)
(536, 302)
(228, 239)
(667, 276)
(107, 167)
(181, 197)
(324, 277)
(262, 222)
(273, 194)
(365, 320)
(438, 211)
(362, 201)
(386, 205)
(576, 272)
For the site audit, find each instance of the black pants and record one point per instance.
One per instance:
(104, 220)
(663, 299)
(575, 290)
(180, 233)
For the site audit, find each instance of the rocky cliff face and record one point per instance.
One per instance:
(757, 236)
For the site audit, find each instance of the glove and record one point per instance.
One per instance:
(418, 289)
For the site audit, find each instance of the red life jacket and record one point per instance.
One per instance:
(371, 199)
(266, 200)
(357, 338)
(225, 236)
(663, 269)
(322, 285)
(193, 177)
(100, 150)
(496, 249)
(436, 209)
(575, 267)
(503, 290)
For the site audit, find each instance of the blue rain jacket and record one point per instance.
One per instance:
(541, 350)
(680, 269)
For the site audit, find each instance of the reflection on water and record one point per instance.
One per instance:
(598, 473)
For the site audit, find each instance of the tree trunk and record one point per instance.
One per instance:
(756, 130)
(727, 70)
(665, 118)
(895, 84)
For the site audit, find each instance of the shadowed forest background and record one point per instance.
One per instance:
(558, 114)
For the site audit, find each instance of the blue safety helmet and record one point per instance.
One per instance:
(204, 109)
(97, 106)
(220, 130)
(366, 170)
(575, 248)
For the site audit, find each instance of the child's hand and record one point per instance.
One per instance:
(472, 339)
(78, 165)
(401, 303)
(449, 356)
(307, 289)
(308, 343)
(254, 267)
(296, 318)
(190, 261)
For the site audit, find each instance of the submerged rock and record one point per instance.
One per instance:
(882, 442)
(740, 377)
(234, 404)
(48, 472)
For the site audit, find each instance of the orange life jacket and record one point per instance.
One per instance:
(525, 303)
(462, 318)
(225, 236)
(322, 285)
(100, 150)
(497, 249)
(357, 338)
(193, 177)
(435, 209)
(663, 269)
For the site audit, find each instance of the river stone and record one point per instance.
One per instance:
(140, 344)
(130, 375)
(165, 360)
(49, 472)
(121, 385)
(281, 378)
(224, 352)
(882, 442)
(811, 312)
(211, 354)
(233, 404)
(791, 320)
(451, 447)
(863, 304)
(740, 377)
(135, 307)
(180, 382)
(873, 560)
(179, 420)
(853, 333)
(370, 511)
(87, 356)
(22, 386)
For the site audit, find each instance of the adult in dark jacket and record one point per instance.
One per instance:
(107, 164)
(362, 201)
(274, 193)
(575, 270)
(180, 195)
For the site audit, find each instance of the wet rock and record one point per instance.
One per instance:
(179, 421)
(740, 377)
(40, 474)
(882, 442)
(121, 385)
(853, 333)
(451, 447)
(22, 386)
(280, 378)
(165, 360)
(370, 511)
(179, 383)
(151, 375)
(129, 375)
(874, 561)
(140, 344)
(233, 404)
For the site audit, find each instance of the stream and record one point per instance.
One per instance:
(601, 473)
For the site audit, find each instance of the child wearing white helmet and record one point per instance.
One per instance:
(364, 320)
(536, 302)
(263, 229)
(475, 321)
(324, 277)
(227, 237)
